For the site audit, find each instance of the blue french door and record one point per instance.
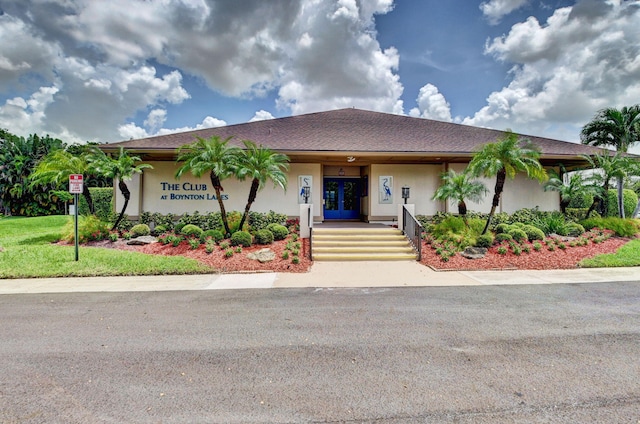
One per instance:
(341, 198)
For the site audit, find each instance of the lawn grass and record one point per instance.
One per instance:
(28, 252)
(627, 255)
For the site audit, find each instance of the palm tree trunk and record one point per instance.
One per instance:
(87, 196)
(637, 209)
(217, 186)
(127, 195)
(563, 206)
(255, 184)
(594, 205)
(500, 179)
(620, 197)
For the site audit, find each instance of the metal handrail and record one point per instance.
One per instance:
(413, 230)
(310, 221)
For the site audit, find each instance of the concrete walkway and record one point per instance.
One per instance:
(322, 274)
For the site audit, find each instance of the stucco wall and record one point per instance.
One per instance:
(164, 194)
(423, 180)
(519, 193)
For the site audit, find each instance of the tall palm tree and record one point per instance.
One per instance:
(260, 164)
(504, 159)
(122, 168)
(460, 187)
(214, 156)
(575, 187)
(606, 166)
(56, 167)
(618, 128)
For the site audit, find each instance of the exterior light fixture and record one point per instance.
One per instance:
(351, 159)
(405, 193)
(306, 190)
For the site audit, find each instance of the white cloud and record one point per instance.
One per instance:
(156, 118)
(495, 10)
(261, 115)
(431, 104)
(315, 55)
(346, 67)
(582, 59)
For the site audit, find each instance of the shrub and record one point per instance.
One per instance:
(159, 229)
(502, 228)
(241, 238)
(552, 223)
(263, 236)
(524, 216)
(140, 230)
(484, 240)
(574, 229)
(280, 232)
(503, 237)
(517, 234)
(260, 221)
(178, 227)
(537, 246)
(191, 230)
(215, 235)
(224, 245)
(90, 228)
(209, 246)
(127, 235)
(228, 253)
(629, 202)
(502, 250)
(285, 254)
(533, 233)
(295, 260)
(621, 227)
(194, 243)
(113, 237)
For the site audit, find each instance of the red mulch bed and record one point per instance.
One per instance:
(217, 259)
(543, 259)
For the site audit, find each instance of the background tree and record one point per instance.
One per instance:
(55, 168)
(18, 157)
(122, 168)
(260, 164)
(214, 156)
(575, 188)
(618, 128)
(605, 166)
(460, 187)
(504, 159)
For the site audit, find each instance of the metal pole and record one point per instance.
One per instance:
(75, 213)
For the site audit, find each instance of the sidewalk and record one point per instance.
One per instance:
(322, 274)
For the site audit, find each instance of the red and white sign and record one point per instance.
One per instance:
(75, 183)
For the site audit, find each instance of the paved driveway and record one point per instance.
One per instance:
(499, 354)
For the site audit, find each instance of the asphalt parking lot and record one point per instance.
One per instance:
(498, 354)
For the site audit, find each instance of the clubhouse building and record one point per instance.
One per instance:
(349, 164)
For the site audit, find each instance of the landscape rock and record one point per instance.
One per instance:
(262, 255)
(142, 241)
(474, 252)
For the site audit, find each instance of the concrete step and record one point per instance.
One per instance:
(342, 257)
(361, 244)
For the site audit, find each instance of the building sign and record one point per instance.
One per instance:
(75, 183)
(305, 184)
(385, 189)
(187, 191)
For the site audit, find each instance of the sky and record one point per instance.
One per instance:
(106, 71)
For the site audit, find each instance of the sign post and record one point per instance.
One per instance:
(75, 188)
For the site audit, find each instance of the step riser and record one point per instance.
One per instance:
(361, 245)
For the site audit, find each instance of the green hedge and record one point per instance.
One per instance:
(102, 198)
(630, 202)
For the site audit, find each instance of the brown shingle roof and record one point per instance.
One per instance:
(354, 130)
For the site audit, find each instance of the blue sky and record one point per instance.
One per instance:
(87, 70)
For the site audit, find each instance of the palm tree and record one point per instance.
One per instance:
(619, 128)
(575, 187)
(121, 168)
(505, 158)
(606, 167)
(460, 187)
(260, 164)
(56, 167)
(215, 157)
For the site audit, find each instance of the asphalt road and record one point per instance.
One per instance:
(498, 354)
